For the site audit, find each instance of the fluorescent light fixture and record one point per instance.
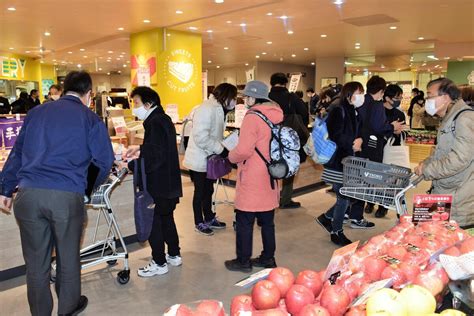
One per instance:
(146, 21)
(11, 9)
(283, 17)
(306, 48)
(290, 32)
(421, 38)
(324, 35)
(219, 1)
(432, 57)
(393, 27)
(179, 12)
(120, 29)
(11, 48)
(338, 2)
(348, 63)
(447, 58)
(357, 47)
(47, 33)
(357, 44)
(269, 43)
(193, 28)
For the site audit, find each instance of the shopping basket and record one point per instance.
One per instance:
(377, 183)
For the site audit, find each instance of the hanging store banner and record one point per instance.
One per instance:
(138, 65)
(143, 76)
(9, 130)
(294, 82)
(250, 74)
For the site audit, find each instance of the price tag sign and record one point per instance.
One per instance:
(340, 259)
(254, 278)
(431, 207)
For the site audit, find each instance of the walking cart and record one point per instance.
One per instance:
(107, 249)
(378, 183)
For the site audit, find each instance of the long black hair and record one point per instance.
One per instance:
(225, 92)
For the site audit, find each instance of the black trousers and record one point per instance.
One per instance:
(244, 234)
(202, 199)
(357, 210)
(47, 219)
(164, 230)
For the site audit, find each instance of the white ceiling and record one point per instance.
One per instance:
(93, 26)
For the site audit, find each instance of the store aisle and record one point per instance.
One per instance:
(301, 244)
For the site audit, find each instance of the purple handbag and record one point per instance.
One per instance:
(144, 206)
(217, 167)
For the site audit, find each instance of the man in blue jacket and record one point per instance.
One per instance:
(375, 127)
(48, 164)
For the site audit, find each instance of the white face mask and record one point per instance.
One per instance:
(140, 112)
(231, 105)
(430, 107)
(359, 100)
(55, 97)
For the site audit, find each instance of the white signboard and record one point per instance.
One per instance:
(240, 110)
(143, 76)
(250, 74)
(172, 111)
(294, 82)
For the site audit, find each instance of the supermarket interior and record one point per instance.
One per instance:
(384, 225)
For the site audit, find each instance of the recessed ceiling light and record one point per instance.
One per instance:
(119, 71)
(209, 31)
(269, 14)
(226, 48)
(168, 34)
(69, 52)
(338, 2)
(27, 51)
(11, 48)
(179, 12)
(109, 61)
(54, 59)
(100, 69)
(146, 21)
(110, 52)
(243, 24)
(209, 61)
(85, 56)
(82, 49)
(41, 61)
(79, 66)
(269, 43)
(218, 67)
(324, 35)
(47, 33)
(264, 53)
(357, 47)
(306, 48)
(357, 44)
(293, 55)
(393, 27)
(11, 9)
(192, 28)
(290, 32)
(120, 29)
(421, 38)
(124, 65)
(246, 64)
(258, 56)
(118, 58)
(313, 63)
(108, 73)
(219, 1)
(283, 17)
(228, 22)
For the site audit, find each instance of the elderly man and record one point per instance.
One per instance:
(451, 166)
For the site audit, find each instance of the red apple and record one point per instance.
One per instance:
(283, 279)
(322, 275)
(183, 310)
(314, 310)
(211, 307)
(335, 299)
(452, 251)
(265, 295)
(353, 284)
(270, 312)
(298, 296)
(397, 276)
(413, 240)
(311, 280)
(410, 271)
(430, 281)
(241, 303)
(355, 262)
(398, 252)
(356, 311)
(444, 216)
(467, 246)
(394, 235)
(373, 267)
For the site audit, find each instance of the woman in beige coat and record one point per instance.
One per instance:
(418, 114)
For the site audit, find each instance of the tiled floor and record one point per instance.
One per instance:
(301, 244)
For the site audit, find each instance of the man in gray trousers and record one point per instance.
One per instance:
(48, 164)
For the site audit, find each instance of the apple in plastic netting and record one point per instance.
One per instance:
(373, 267)
(283, 279)
(430, 281)
(396, 274)
(265, 295)
(335, 299)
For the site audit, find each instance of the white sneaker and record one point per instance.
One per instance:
(175, 261)
(152, 269)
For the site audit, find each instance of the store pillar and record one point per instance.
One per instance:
(170, 62)
(329, 70)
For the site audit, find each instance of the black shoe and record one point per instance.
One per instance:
(369, 209)
(80, 307)
(324, 222)
(292, 204)
(236, 265)
(263, 263)
(215, 223)
(362, 224)
(381, 212)
(340, 239)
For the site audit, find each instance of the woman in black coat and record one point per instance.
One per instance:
(163, 178)
(343, 129)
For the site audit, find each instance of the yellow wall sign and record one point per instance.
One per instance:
(180, 71)
(11, 67)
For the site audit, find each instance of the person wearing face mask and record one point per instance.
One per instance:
(451, 165)
(392, 99)
(55, 92)
(49, 163)
(344, 129)
(255, 198)
(206, 139)
(375, 128)
(313, 100)
(163, 178)
(418, 111)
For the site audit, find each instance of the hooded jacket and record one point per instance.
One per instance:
(253, 191)
(451, 166)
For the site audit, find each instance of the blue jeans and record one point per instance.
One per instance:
(337, 211)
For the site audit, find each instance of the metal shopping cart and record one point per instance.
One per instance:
(378, 183)
(107, 249)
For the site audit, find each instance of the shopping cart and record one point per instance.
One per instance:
(378, 183)
(107, 249)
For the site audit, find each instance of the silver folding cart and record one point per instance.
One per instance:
(378, 183)
(107, 249)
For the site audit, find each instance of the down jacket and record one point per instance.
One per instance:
(451, 166)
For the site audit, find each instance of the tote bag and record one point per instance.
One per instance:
(396, 155)
(144, 207)
(217, 167)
